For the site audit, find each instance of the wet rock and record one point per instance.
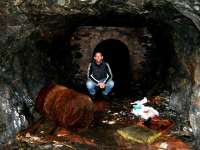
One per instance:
(13, 118)
(179, 98)
(194, 115)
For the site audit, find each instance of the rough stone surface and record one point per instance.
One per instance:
(11, 113)
(32, 30)
(194, 116)
(87, 38)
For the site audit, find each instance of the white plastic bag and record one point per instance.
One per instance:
(145, 112)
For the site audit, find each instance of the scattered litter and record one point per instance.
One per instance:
(111, 122)
(115, 114)
(170, 143)
(145, 112)
(141, 102)
(163, 145)
(42, 132)
(187, 129)
(109, 111)
(123, 113)
(57, 145)
(34, 138)
(105, 121)
(28, 135)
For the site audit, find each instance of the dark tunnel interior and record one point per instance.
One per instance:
(116, 54)
(154, 74)
(161, 59)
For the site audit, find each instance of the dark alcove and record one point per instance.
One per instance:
(160, 59)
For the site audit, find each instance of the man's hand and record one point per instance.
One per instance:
(101, 85)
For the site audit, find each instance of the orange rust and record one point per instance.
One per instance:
(101, 106)
(161, 125)
(69, 108)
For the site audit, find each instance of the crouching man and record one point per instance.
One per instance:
(99, 76)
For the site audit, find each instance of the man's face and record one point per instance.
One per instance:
(98, 57)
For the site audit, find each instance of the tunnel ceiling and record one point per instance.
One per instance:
(106, 12)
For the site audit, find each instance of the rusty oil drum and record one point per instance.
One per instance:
(68, 107)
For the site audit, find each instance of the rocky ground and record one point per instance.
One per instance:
(101, 134)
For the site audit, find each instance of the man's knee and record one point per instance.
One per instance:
(90, 84)
(111, 83)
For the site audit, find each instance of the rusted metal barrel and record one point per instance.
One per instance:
(68, 107)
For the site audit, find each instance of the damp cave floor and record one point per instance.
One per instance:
(101, 134)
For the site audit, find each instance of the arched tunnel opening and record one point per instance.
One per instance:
(116, 54)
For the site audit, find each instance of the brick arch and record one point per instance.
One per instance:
(116, 54)
(104, 37)
(88, 37)
(111, 40)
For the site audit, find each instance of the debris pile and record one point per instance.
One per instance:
(145, 112)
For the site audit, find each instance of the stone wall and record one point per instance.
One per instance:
(86, 38)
